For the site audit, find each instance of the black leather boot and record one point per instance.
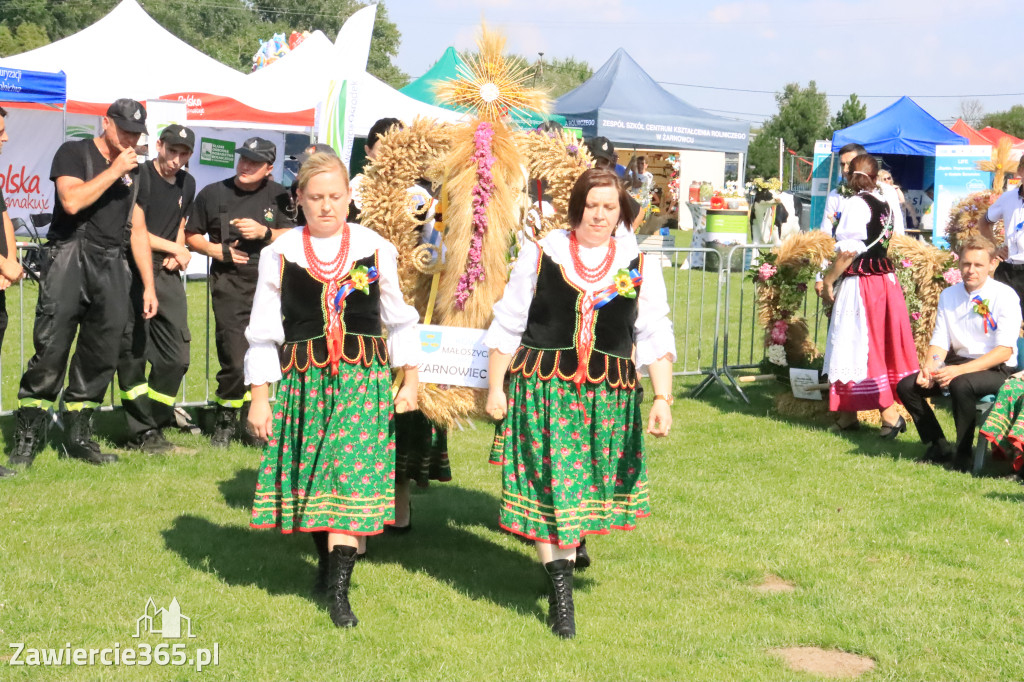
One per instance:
(323, 563)
(78, 442)
(582, 556)
(224, 428)
(342, 561)
(30, 437)
(561, 615)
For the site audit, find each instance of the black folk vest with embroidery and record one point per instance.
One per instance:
(874, 261)
(304, 318)
(549, 342)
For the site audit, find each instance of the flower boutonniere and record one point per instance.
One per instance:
(984, 309)
(624, 284)
(844, 190)
(360, 277)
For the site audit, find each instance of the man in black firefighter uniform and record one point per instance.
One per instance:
(166, 191)
(231, 221)
(85, 284)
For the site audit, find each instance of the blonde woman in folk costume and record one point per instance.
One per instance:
(326, 292)
(571, 443)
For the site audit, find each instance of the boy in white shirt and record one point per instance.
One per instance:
(973, 350)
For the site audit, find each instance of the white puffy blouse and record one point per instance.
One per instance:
(654, 335)
(265, 332)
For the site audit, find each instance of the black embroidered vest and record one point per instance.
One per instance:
(874, 261)
(304, 318)
(553, 326)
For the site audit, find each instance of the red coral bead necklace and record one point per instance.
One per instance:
(590, 275)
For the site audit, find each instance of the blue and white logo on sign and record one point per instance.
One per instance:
(430, 341)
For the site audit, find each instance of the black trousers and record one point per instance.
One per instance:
(3, 316)
(163, 342)
(85, 292)
(232, 288)
(965, 391)
(1012, 274)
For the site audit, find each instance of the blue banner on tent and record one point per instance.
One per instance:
(19, 85)
(956, 176)
(821, 181)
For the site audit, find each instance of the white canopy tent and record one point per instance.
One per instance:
(98, 73)
(306, 73)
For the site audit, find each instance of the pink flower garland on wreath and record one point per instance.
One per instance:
(481, 198)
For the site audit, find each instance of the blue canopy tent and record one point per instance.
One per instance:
(905, 136)
(623, 103)
(901, 128)
(33, 87)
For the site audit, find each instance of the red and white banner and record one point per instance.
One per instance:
(34, 137)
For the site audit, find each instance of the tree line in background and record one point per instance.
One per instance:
(803, 117)
(230, 31)
(1010, 121)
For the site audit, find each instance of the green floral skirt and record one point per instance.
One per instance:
(330, 465)
(421, 450)
(571, 464)
(1004, 426)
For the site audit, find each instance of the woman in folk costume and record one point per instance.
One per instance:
(579, 305)
(870, 345)
(326, 292)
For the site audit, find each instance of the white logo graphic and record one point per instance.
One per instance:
(137, 115)
(182, 133)
(170, 621)
(252, 145)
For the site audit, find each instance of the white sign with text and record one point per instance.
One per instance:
(452, 356)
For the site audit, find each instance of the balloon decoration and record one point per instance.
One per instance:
(275, 48)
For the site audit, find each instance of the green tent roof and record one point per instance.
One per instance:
(447, 68)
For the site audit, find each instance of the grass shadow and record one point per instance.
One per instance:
(1006, 497)
(455, 540)
(449, 543)
(242, 556)
(865, 440)
(238, 491)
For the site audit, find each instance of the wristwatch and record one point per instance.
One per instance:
(667, 398)
(268, 235)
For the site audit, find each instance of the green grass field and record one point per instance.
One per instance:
(910, 564)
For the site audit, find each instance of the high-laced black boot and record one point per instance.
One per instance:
(342, 561)
(78, 442)
(224, 427)
(561, 614)
(582, 556)
(30, 437)
(323, 562)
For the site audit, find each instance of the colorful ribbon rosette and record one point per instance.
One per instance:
(983, 308)
(624, 283)
(359, 279)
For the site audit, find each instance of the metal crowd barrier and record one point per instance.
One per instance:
(742, 335)
(18, 346)
(712, 306)
(695, 271)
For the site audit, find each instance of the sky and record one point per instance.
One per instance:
(711, 54)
